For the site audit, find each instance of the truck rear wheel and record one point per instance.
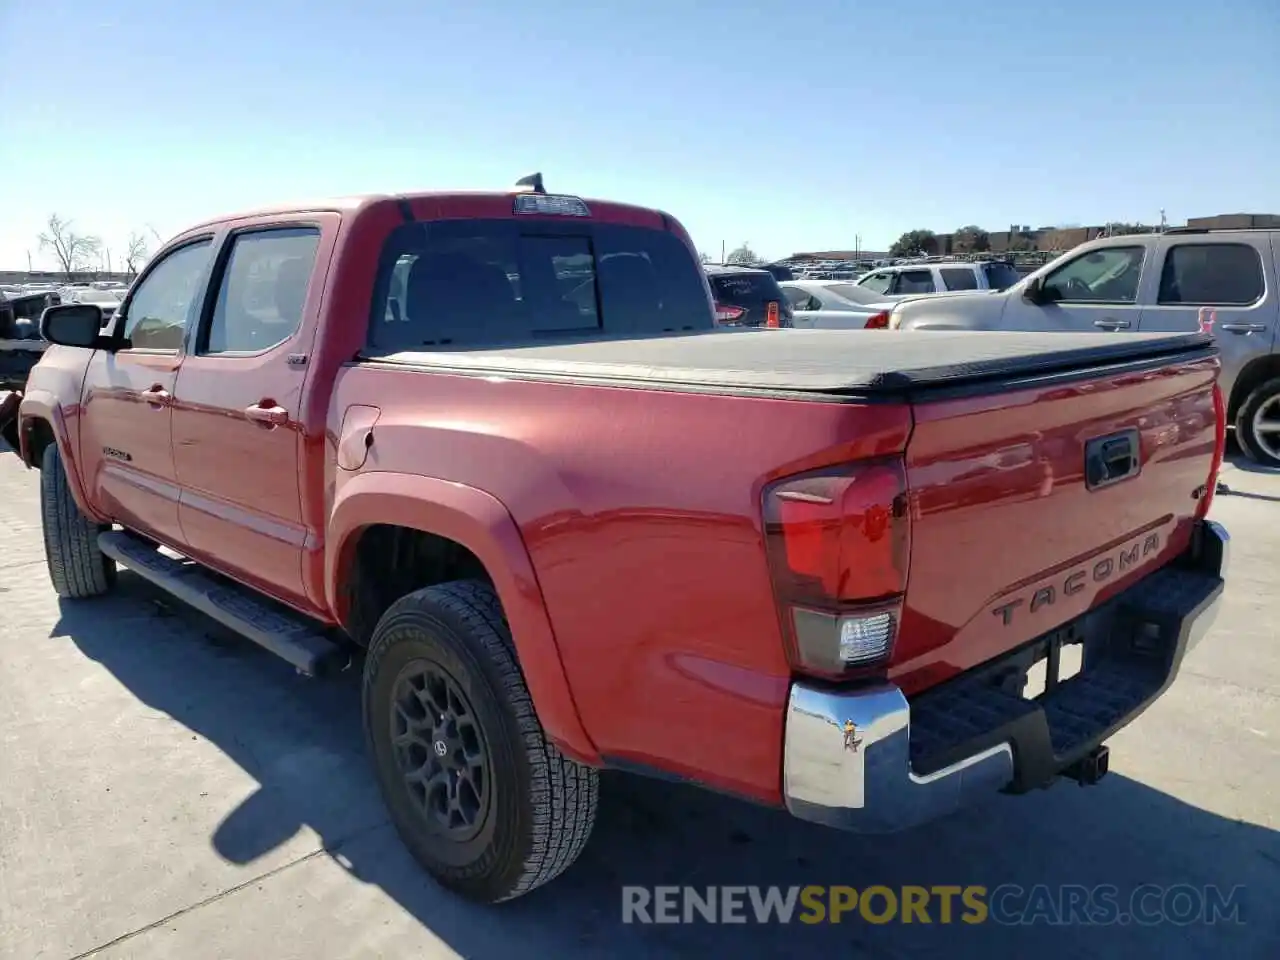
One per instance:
(77, 567)
(482, 800)
(1259, 412)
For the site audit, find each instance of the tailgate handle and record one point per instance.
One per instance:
(1111, 458)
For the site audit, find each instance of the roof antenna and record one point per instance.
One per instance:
(533, 182)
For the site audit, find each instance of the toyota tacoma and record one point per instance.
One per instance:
(495, 448)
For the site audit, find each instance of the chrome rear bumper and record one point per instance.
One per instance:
(847, 753)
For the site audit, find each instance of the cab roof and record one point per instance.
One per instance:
(430, 204)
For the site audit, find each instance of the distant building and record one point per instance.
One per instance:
(1236, 221)
(839, 255)
(1048, 239)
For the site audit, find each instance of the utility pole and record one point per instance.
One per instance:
(722, 251)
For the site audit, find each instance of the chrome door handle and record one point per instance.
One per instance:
(1107, 323)
(1243, 327)
(156, 395)
(271, 416)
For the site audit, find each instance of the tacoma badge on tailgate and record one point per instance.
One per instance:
(1132, 554)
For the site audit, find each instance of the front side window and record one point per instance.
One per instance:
(263, 290)
(160, 306)
(1109, 275)
(1211, 274)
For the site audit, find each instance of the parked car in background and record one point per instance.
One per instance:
(21, 347)
(747, 296)
(834, 304)
(1152, 283)
(939, 275)
(108, 298)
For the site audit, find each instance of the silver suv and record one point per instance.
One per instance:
(1165, 282)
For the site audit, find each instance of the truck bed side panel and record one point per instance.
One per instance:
(641, 513)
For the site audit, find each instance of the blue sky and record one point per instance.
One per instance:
(791, 125)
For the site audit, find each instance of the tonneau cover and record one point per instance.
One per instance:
(820, 361)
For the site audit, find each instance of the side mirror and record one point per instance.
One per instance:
(1033, 292)
(72, 324)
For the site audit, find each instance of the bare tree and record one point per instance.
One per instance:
(743, 255)
(135, 253)
(74, 251)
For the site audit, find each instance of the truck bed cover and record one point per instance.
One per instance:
(861, 362)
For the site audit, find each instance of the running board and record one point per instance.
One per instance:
(272, 626)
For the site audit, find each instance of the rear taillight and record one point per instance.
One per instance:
(878, 321)
(1219, 451)
(725, 313)
(771, 315)
(838, 544)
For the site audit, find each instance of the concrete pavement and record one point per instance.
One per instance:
(167, 790)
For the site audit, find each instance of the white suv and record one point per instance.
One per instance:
(939, 275)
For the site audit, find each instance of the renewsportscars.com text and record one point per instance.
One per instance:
(1007, 904)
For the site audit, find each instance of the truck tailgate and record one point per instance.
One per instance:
(1013, 533)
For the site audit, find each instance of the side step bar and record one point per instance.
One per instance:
(272, 626)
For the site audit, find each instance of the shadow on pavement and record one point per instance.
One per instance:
(301, 740)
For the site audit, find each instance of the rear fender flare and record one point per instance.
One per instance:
(482, 524)
(44, 405)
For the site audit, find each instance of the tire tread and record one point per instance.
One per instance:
(564, 794)
(77, 568)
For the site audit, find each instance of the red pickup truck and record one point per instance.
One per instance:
(496, 442)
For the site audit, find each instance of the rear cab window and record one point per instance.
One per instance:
(467, 283)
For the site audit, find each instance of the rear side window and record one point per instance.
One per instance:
(1222, 274)
(954, 278)
(460, 283)
(262, 290)
(915, 281)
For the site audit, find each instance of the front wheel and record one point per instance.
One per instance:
(1258, 424)
(77, 567)
(482, 800)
